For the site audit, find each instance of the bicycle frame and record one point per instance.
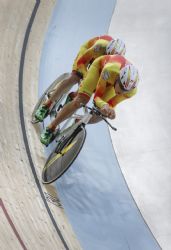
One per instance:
(69, 143)
(83, 120)
(67, 130)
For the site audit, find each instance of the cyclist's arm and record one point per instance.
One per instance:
(84, 60)
(89, 43)
(105, 107)
(100, 90)
(90, 55)
(84, 47)
(105, 90)
(115, 100)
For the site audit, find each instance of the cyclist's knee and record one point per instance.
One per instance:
(79, 100)
(75, 78)
(72, 80)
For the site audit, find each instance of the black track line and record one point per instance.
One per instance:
(21, 70)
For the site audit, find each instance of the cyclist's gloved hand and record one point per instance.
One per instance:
(111, 114)
(107, 111)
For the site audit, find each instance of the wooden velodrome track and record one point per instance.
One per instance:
(31, 216)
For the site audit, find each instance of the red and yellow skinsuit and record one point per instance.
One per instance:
(101, 79)
(89, 51)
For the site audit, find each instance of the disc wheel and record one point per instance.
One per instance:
(63, 156)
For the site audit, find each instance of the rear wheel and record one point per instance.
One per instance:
(46, 95)
(63, 156)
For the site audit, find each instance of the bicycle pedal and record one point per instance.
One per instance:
(34, 121)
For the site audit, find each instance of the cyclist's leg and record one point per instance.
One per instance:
(50, 132)
(85, 91)
(69, 109)
(63, 87)
(66, 84)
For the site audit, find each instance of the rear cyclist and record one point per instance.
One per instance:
(112, 79)
(88, 52)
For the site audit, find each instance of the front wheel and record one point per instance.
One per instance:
(63, 156)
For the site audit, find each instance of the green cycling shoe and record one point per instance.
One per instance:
(48, 136)
(41, 113)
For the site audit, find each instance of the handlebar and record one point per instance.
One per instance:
(97, 112)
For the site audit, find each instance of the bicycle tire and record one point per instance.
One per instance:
(42, 98)
(59, 161)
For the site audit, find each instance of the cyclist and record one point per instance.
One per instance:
(112, 79)
(89, 51)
